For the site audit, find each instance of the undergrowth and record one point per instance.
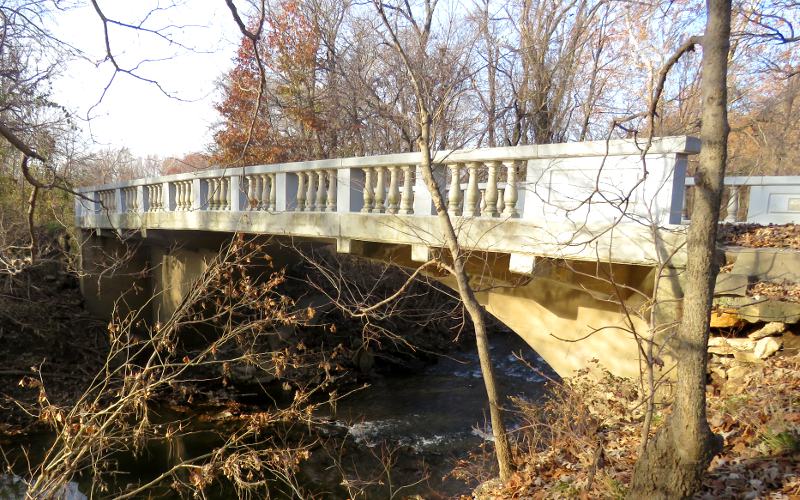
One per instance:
(582, 442)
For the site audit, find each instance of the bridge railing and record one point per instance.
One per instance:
(770, 199)
(601, 181)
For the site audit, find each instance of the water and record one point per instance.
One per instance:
(406, 432)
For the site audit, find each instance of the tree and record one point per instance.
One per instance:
(675, 460)
(419, 70)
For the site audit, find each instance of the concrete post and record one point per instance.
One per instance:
(286, 191)
(198, 196)
(236, 193)
(141, 199)
(349, 190)
(167, 196)
(423, 201)
(118, 207)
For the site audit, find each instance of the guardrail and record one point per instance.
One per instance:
(773, 199)
(586, 182)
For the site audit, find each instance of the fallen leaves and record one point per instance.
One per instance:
(596, 414)
(758, 236)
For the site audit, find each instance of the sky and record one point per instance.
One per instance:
(133, 113)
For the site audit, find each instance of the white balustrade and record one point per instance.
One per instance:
(454, 196)
(733, 204)
(311, 194)
(380, 190)
(368, 193)
(130, 199)
(472, 198)
(183, 196)
(155, 197)
(301, 191)
(490, 195)
(482, 183)
(331, 195)
(322, 192)
(108, 200)
(510, 194)
(407, 196)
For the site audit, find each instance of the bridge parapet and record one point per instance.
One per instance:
(576, 200)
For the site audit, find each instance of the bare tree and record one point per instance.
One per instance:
(417, 63)
(674, 462)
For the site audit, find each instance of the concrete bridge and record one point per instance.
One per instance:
(547, 228)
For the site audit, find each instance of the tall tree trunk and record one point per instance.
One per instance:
(471, 304)
(676, 459)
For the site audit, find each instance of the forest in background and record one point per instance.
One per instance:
(508, 73)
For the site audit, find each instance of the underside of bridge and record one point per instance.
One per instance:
(569, 311)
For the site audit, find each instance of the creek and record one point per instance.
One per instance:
(405, 431)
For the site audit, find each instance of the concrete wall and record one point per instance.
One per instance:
(114, 271)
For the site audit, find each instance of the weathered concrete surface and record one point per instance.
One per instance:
(112, 272)
(570, 319)
(766, 264)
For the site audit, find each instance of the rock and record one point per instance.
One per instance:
(791, 344)
(731, 284)
(772, 328)
(725, 319)
(720, 372)
(728, 346)
(738, 371)
(487, 490)
(767, 346)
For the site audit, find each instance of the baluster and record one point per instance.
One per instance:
(407, 198)
(482, 204)
(501, 203)
(178, 202)
(189, 195)
(490, 195)
(368, 197)
(472, 197)
(510, 196)
(322, 190)
(185, 192)
(393, 198)
(182, 187)
(311, 194)
(454, 197)
(301, 191)
(261, 202)
(273, 192)
(331, 190)
(380, 191)
(215, 188)
(226, 193)
(733, 204)
(251, 188)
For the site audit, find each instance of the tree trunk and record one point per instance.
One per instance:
(471, 304)
(676, 459)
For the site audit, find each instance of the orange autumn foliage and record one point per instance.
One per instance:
(287, 116)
